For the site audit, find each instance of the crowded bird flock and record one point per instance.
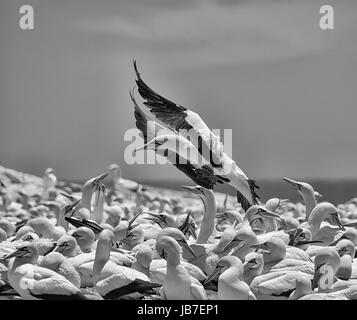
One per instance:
(113, 238)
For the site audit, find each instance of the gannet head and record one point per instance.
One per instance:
(346, 247)
(275, 204)
(256, 214)
(179, 236)
(187, 225)
(65, 245)
(243, 237)
(162, 219)
(224, 264)
(273, 249)
(133, 237)
(106, 240)
(168, 248)
(326, 211)
(163, 142)
(48, 171)
(301, 238)
(26, 250)
(349, 234)
(143, 255)
(85, 237)
(327, 261)
(254, 260)
(303, 188)
(234, 216)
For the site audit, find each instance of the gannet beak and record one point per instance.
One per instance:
(271, 214)
(235, 243)
(262, 246)
(194, 190)
(300, 243)
(292, 182)
(317, 275)
(185, 245)
(216, 273)
(153, 217)
(100, 178)
(16, 253)
(283, 203)
(336, 219)
(249, 264)
(147, 146)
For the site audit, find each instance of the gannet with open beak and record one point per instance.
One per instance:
(33, 282)
(229, 271)
(178, 284)
(177, 117)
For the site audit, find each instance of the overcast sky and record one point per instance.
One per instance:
(262, 68)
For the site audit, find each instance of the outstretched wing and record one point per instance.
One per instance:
(203, 176)
(182, 119)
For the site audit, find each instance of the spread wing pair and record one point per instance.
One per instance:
(187, 127)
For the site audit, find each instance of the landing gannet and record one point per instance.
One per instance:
(177, 117)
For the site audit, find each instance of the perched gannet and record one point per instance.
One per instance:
(85, 238)
(177, 117)
(253, 266)
(229, 271)
(278, 285)
(178, 284)
(307, 192)
(346, 250)
(320, 230)
(34, 282)
(113, 281)
(67, 246)
(58, 263)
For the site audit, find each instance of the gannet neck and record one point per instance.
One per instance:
(98, 210)
(61, 222)
(310, 203)
(102, 255)
(207, 224)
(87, 196)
